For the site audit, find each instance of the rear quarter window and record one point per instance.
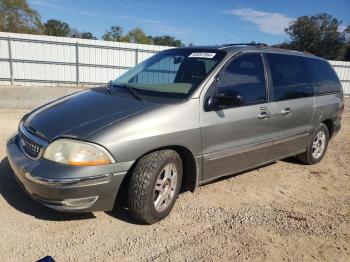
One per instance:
(290, 77)
(323, 76)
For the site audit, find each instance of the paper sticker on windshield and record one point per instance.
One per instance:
(202, 55)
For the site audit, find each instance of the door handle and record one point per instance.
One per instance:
(263, 115)
(287, 111)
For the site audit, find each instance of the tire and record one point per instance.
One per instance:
(310, 157)
(153, 189)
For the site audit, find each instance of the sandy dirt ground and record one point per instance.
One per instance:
(283, 211)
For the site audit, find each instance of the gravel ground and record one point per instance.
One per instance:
(283, 211)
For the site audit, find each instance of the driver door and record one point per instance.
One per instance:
(240, 136)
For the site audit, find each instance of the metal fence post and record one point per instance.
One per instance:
(77, 63)
(10, 60)
(136, 56)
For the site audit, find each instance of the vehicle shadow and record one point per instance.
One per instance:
(15, 197)
(293, 160)
(121, 213)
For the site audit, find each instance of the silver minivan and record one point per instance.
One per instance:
(181, 118)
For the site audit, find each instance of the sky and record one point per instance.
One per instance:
(202, 22)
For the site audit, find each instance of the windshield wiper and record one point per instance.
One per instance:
(131, 90)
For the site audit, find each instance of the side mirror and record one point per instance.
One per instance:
(223, 100)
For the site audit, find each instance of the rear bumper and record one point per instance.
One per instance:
(63, 187)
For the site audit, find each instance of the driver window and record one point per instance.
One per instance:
(245, 76)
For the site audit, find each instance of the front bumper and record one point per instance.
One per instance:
(63, 187)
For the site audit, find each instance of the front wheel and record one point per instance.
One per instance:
(317, 146)
(154, 186)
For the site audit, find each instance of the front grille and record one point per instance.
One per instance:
(31, 145)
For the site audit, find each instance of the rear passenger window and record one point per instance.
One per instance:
(290, 77)
(324, 78)
(245, 75)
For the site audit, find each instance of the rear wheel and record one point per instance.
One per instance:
(317, 146)
(154, 186)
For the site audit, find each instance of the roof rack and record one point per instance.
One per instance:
(246, 44)
(294, 51)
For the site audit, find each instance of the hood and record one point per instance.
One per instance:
(82, 113)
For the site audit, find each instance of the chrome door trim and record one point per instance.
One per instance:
(237, 150)
(281, 140)
(249, 168)
(251, 147)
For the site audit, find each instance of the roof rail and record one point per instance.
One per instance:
(247, 44)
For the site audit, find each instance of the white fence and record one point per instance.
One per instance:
(32, 59)
(343, 70)
(47, 60)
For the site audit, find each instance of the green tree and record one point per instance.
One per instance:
(166, 40)
(18, 17)
(347, 54)
(113, 34)
(284, 45)
(56, 28)
(136, 36)
(346, 34)
(319, 35)
(347, 38)
(74, 33)
(87, 35)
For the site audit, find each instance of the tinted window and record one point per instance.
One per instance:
(290, 77)
(324, 78)
(245, 76)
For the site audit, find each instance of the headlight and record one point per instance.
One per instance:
(77, 153)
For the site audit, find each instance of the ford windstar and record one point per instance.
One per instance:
(182, 118)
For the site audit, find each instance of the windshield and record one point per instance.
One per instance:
(173, 73)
